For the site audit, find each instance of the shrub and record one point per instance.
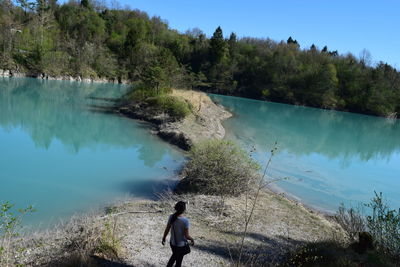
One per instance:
(381, 222)
(218, 167)
(351, 220)
(384, 225)
(174, 106)
(10, 224)
(159, 100)
(333, 253)
(140, 92)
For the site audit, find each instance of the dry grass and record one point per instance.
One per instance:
(72, 242)
(195, 98)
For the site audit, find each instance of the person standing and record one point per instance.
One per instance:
(178, 225)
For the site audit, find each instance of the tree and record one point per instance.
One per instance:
(365, 57)
(290, 41)
(218, 47)
(232, 43)
(86, 4)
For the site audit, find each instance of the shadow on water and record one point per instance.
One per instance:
(147, 188)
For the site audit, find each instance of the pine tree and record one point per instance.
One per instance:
(232, 43)
(86, 4)
(218, 47)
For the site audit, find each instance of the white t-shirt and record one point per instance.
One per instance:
(178, 227)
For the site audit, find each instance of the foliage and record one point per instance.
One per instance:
(218, 167)
(140, 92)
(9, 231)
(86, 236)
(174, 106)
(88, 39)
(384, 225)
(381, 222)
(160, 100)
(351, 220)
(109, 245)
(333, 253)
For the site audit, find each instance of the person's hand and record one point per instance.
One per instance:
(163, 242)
(192, 242)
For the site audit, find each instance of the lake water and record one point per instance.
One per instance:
(329, 157)
(59, 153)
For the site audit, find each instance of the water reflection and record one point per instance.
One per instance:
(329, 157)
(49, 110)
(302, 130)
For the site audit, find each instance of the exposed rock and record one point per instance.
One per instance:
(44, 76)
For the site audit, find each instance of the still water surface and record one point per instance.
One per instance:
(329, 157)
(59, 153)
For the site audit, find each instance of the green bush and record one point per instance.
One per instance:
(160, 100)
(381, 222)
(172, 105)
(140, 92)
(10, 224)
(219, 167)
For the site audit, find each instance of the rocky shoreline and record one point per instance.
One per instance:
(44, 76)
(204, 123)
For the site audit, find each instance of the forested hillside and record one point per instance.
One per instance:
(90, 40)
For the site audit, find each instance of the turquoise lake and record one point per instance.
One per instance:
(60, 153)
(329, 157)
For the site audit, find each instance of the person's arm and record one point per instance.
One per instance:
(188, 237)
(166, 231)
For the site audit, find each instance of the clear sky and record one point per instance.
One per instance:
(343, 25)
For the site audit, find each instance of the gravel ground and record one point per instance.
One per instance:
(279, 225)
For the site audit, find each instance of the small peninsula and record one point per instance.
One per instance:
(204, 121)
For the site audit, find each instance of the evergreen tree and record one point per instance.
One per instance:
(232, 43)
(86, 4)
(290, 40)
(218, 47)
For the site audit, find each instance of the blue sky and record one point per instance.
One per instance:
(346, 26)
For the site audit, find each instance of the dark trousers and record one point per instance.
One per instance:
(177, 257)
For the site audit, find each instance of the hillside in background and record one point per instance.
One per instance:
(89, 40)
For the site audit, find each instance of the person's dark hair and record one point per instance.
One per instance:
(180, 208)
